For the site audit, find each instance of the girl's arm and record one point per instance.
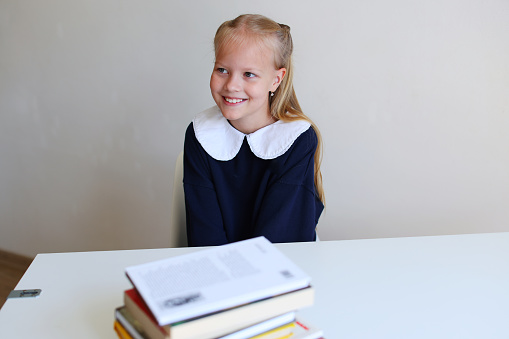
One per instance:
(290, 207)
(203, 215)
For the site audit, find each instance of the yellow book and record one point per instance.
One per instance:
(281, 332)
(121, 331)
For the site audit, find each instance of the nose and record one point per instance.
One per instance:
(233, 84)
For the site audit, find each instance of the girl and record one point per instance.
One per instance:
(252, 162)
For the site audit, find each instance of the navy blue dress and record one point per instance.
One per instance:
(246, 197)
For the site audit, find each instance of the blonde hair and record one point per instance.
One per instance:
(283, 104)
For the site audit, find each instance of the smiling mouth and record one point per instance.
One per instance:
(233, 100)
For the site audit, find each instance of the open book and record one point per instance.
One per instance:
(214, 279)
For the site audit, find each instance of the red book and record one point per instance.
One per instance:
(135, 304)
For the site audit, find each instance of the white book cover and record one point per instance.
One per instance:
(215, 279)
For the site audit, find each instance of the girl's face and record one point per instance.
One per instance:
(240, 84)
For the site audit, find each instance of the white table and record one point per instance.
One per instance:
(423, 287)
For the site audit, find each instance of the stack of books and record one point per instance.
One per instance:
(247, 289)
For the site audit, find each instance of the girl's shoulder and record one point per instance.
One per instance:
(222, 141)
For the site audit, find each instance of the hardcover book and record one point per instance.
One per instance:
(218, 323)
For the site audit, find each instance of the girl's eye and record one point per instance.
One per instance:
(249, 75)
(222, 70)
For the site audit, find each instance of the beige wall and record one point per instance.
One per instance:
(411, 98)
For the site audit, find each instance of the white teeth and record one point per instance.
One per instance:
(233, 101)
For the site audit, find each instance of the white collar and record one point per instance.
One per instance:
(222, 141)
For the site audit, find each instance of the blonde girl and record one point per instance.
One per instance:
(252, 162)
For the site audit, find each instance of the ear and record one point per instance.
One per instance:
(280, 74)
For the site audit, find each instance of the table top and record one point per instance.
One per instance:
(421, 287)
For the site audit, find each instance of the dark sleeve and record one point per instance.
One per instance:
(203, 216)
(290, 207)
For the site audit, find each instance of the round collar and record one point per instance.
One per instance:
(222, 141)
